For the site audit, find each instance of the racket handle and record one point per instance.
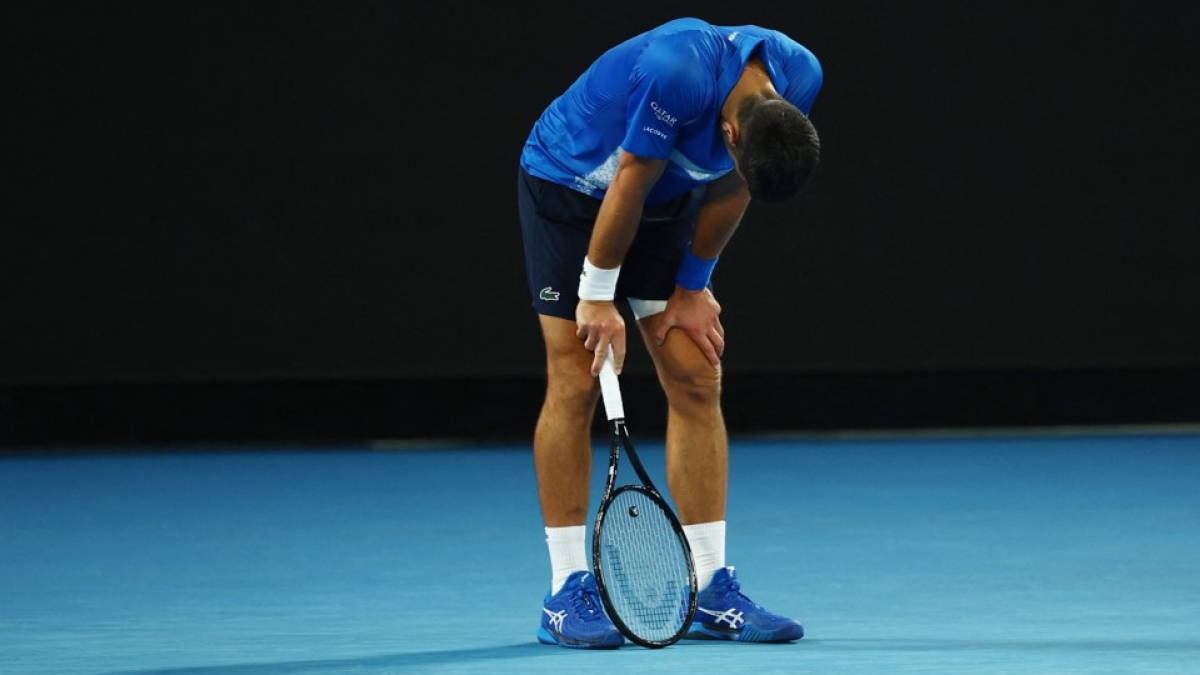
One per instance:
(610, 389)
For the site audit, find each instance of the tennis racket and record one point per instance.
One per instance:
(640, 555)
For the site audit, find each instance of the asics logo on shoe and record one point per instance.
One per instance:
(556, 618)
(731, 616)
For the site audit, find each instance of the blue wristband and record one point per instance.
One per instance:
(694, 272)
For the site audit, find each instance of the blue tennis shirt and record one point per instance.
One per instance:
(659, 94)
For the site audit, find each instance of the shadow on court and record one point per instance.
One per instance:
(381, 664)
(1088, 646)
(855, 656)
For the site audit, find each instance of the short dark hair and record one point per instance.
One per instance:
(777, 150)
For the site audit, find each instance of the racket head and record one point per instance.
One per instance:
(644, 567)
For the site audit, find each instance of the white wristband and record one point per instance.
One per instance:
(597, 284)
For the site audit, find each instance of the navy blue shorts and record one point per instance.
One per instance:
(556, 227)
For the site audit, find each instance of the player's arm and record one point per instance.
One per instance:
(725, 202)
(599, 324)
(692, 307)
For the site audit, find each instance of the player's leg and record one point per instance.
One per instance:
(696, 447)
(562, 439)
(697, 450)
(555, 245)
(572, 615)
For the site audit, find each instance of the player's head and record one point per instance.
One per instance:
(777, 148)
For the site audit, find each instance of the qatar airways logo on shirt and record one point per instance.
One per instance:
(662, 114)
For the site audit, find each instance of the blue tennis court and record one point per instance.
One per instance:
(1003, 553)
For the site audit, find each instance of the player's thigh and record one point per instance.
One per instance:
(568, 362)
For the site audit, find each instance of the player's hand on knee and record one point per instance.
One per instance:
(696, 313)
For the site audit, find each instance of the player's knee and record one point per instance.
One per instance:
(572, 389)
(698, 384)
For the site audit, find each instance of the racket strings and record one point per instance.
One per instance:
(645, 567)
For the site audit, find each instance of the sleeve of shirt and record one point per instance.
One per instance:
(667, 91)
(805, 77)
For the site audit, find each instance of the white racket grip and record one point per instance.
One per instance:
(610, 389)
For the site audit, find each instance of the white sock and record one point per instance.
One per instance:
(708, 549)
(568, 553)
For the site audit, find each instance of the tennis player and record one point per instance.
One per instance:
(631, 184)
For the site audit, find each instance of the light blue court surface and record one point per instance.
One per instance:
(1045, 555)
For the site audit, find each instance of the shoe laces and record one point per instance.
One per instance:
(586, 603)
(735, 586)
(733, 590)
(731, 586)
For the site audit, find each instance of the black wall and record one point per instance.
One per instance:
(275, 213)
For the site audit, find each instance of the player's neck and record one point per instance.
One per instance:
(755, 81)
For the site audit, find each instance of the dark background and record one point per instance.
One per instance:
(297, 221)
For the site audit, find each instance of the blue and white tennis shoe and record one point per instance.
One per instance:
(574, 617)
(723, 613)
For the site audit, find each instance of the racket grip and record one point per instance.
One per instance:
(610, 389)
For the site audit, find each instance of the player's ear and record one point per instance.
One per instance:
(730, 131)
